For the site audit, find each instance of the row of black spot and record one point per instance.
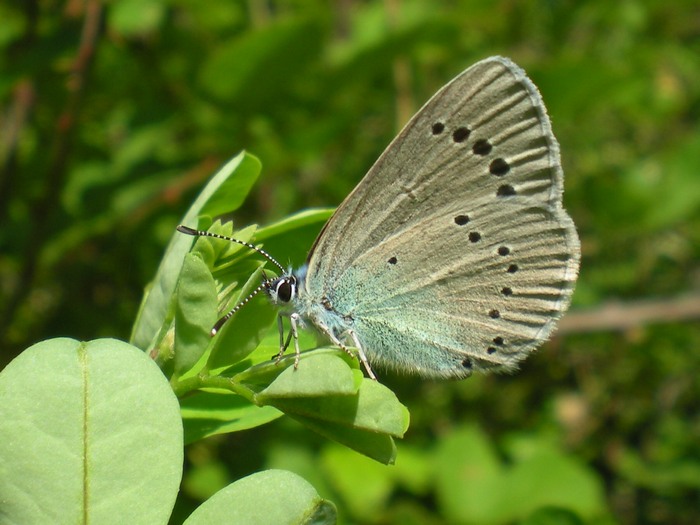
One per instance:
(498, 167)
(507, 291)
(482, 147)
(498, 341)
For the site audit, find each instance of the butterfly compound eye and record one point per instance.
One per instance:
(285, 290)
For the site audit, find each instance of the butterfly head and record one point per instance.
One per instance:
(281, 290)
(284, 290)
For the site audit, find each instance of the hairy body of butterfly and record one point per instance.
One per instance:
(336, 326)
(454, 253)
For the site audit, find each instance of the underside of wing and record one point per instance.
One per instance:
(445, 299)
(454, 252)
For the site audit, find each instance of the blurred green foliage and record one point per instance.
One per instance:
(114, 115)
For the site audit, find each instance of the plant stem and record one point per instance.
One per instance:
(200, 381)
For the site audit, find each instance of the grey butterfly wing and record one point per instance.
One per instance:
(454, 253)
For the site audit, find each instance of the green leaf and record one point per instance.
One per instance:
(289, 239)
(364, 485)
(253, 68)
(548, 478)
(195, 312)
(135, 17)
(469, 478)
(416, 469)
(234, 266)
(380, 447)
(321, 375)
(208, 413)
(552, 516)
(233, 190)
(242, 334)
(204, 478)
(296, 456)
(473, 485)
(271, 497)
(259, 377)
(91, 432)
(653, 184)
(294, 222)
(154, 306)
(373, 408)
(333, 399)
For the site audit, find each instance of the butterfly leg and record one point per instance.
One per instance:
(293, 321)
(283, 344)
(361, 354)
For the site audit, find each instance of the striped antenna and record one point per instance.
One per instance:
(202, 233)
(233, 310)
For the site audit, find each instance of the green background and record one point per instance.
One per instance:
(113, 115)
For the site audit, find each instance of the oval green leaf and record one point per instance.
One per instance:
(91, 432)
(195, 312)
(271, 497)
(244, 168)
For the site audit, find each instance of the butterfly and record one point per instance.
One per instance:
(454, 253)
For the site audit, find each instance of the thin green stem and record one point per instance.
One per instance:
(200, 381)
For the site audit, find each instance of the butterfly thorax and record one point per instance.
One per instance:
(290, 294)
